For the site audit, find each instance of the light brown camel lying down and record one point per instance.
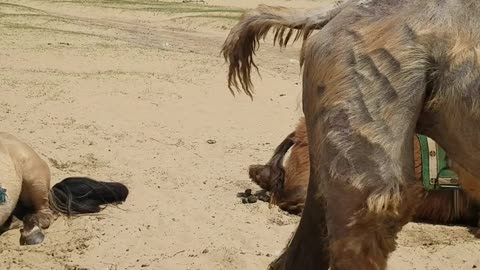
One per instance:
(25, 192)
(288, 184)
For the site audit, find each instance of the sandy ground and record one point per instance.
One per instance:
(131, 91)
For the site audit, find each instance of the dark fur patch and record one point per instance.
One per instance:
(351, 59)
(366, 63)
(387, 57)
(389, 93)
(360, 159)
(77, 195)
(409, 33)
(356, 37)
(321, 90)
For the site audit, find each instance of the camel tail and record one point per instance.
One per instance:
(281, 150)
(276, 163)
(243, 39)
(82, 195)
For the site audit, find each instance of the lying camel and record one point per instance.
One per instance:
(25, 192)
(288, 184)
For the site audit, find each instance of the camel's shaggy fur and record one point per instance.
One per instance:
(288, 184)
(376, 72)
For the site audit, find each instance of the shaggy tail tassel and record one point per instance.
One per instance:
(244, 38)
(82, 195)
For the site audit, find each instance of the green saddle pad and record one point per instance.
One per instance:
(435, 171)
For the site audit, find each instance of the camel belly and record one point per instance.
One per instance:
(10, 184)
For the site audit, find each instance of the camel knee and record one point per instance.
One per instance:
(365, 242)
(366, 251)
(360, 238)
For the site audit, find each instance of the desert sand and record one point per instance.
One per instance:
(135, 92)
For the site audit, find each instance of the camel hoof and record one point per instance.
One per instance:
(33, 237)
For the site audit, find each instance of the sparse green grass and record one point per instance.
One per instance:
(184, 10)
(45, 29)
(140, 5)
(158, 6)
(189, 10)
(214, 16)
(21, 8)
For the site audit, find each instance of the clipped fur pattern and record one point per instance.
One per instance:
(374, 73)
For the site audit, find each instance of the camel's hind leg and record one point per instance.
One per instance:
(362, 170)
(35, 190)
(361, 239)
(35, 197)
(363, 186)
(308, 249)
(361, 116)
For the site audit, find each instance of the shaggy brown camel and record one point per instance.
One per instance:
(374, 74)
(25, 192)
(288, 184)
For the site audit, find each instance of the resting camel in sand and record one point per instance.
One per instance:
(375, 73)
(288, 184)
(25, 192)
